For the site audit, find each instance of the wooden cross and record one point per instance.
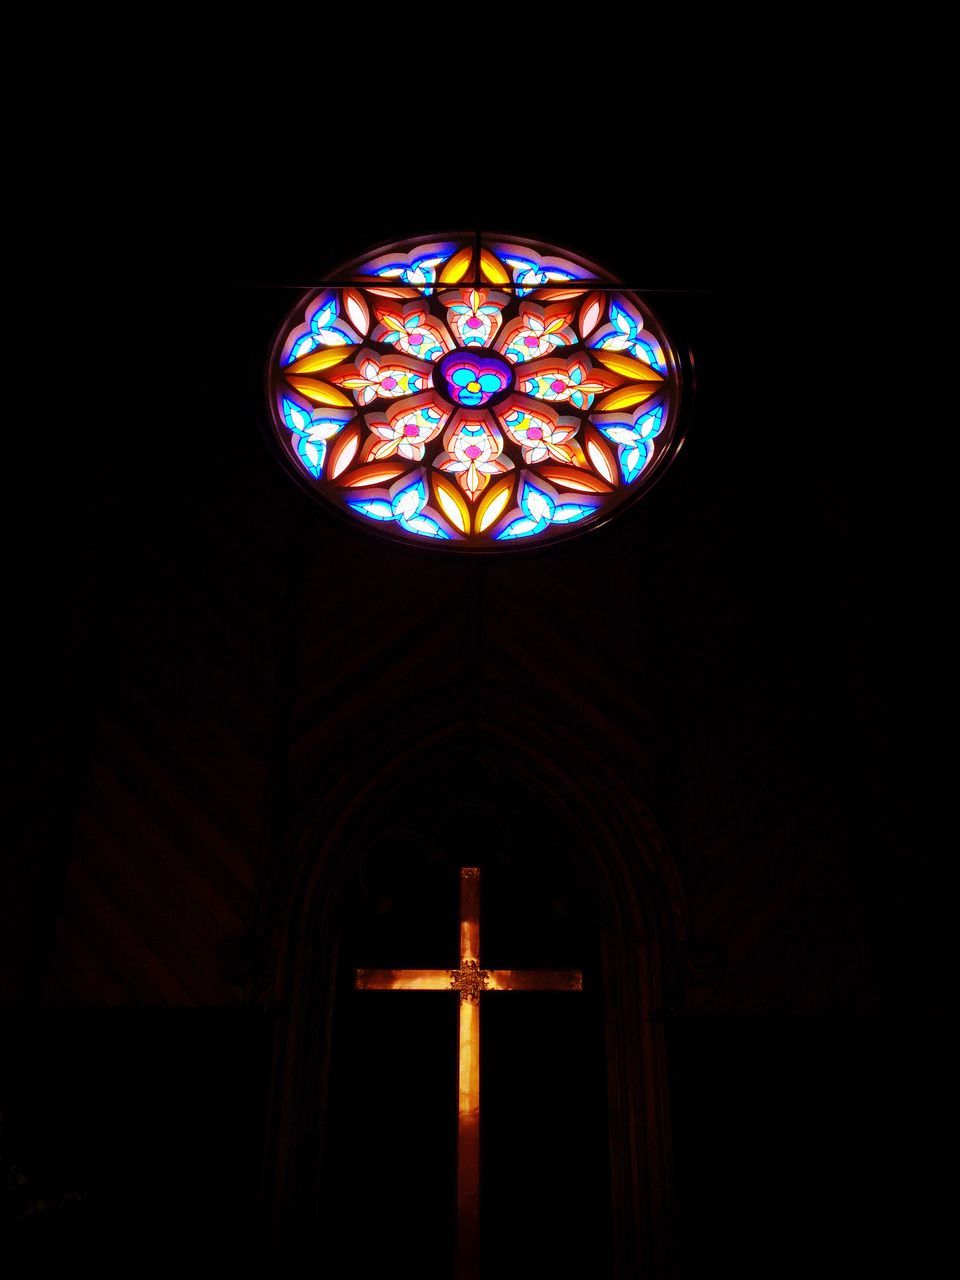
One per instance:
(469, 981)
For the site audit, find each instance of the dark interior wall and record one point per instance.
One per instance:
(213, 643)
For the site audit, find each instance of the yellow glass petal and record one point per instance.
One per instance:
(492, 268)
(357, 310)
(373, 473)
(626, 365)
(394, 291)
(319, 392)
(572, 478)
(344, 448)
(625, 397)
(451, 504)
(377, 449)
(323, 359)
(457, 267)
(493, 505)
(601, 460)
(559, 295)
(590, 314)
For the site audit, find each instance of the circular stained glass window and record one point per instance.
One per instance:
(474, 393)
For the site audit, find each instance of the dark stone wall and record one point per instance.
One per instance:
(213, 650)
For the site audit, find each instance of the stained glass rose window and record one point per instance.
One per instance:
(474, 392)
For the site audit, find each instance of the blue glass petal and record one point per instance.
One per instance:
(645, 352)
(375, 508)
(427, 265)
(312, 453)
(324, 315)
(539, 506)
(520, 528)
(302, 347)
(337, 337)
(623, 320)
(295, 416)
(423, 525)
(567, 512)
(522, 264)
(428, 261)
(335, 423)
(461, 377)
(631, 461)
(652, 424)
(417, 488)
(620, 428)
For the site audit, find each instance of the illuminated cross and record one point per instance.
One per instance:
(469, 981)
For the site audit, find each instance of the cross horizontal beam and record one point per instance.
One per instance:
(444, 980)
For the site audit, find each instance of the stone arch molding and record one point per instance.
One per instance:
(626, 867)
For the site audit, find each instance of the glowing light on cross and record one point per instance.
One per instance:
(469, 982)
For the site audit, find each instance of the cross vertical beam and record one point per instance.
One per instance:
(468, 1119)
(469, 981)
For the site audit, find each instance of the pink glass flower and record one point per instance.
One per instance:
(540, 438)
(405, 433)
(389, 380)
(474, 448)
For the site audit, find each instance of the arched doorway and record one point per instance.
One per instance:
(563, 842)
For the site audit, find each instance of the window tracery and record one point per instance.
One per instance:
(475, 392)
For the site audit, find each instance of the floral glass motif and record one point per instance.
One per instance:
(473, 453)
(475, 393)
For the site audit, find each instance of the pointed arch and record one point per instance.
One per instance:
(640, 908)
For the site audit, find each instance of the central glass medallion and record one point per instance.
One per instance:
(472, 379)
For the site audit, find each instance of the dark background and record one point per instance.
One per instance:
(192, 619)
